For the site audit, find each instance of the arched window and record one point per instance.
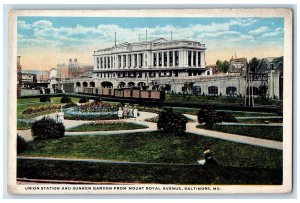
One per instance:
(231, 90)
(85, 84)
(213, 90)
(196, 89)
(92, 84)
(78, 84)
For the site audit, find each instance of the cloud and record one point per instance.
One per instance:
(22, 25)
(270, 34)
(259, 30)
(42, 24)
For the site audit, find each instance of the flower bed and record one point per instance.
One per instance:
(34, 110)
(74, 114)
(97, 107)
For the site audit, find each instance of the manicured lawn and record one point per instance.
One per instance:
(215, 99)
(264, 132)
(260, 120)
(23, 126)
(107, 127)
(157, 147)
(250, 114)
(35, 102)
(141, 173)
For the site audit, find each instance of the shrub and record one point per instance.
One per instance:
(171, 122)
(83, 100)
(22, 145)
(69, 105)
(226, 116)
(65, 100)
(45, 99)
(208, 116)
(47, 128)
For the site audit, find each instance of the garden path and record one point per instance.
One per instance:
(195, 118)
(191, 128)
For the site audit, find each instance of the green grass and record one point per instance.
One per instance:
(140, 173)
(23, 126)
(156, 147)
(35, 102)
(264, 132)
(215, 99)
(260, 120)
(107, 127)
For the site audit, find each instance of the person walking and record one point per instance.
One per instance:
(125, 112)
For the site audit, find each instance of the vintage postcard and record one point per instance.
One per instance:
(165, 101)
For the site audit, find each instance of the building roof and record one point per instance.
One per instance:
(271, 63)
(156, 43)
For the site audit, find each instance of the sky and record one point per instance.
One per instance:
(44, 42)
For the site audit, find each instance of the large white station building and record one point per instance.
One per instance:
(139, 64)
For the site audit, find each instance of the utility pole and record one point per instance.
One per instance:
(146, 36)
(171, 36)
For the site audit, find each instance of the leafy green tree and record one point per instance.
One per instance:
(225, 66)
(222, 66)
(171, 122)
(253, 63)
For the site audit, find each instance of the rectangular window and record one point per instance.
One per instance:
(194, 58)
(171, 58)
(142, 60)
(135, 60)
(160, 58)
(154, 59)
(165, 58)
(189, 58)
(199, 58)
(176, 58)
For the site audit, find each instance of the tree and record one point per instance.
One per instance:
(225, 66)
(171, 122)
(47, 128)
(222, 66)
(210, 117)
(253, 63)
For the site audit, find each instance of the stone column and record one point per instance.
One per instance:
(163, 59)
(168, 59)
(173, 58)
(122, 62)
(127, 61)
(192, 58)
(138, 60)
(197, 59)
(157, 59)
(202, 59)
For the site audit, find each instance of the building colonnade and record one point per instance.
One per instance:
(153, 59)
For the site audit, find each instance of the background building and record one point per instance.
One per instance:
(143, 64)
(75, 69)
